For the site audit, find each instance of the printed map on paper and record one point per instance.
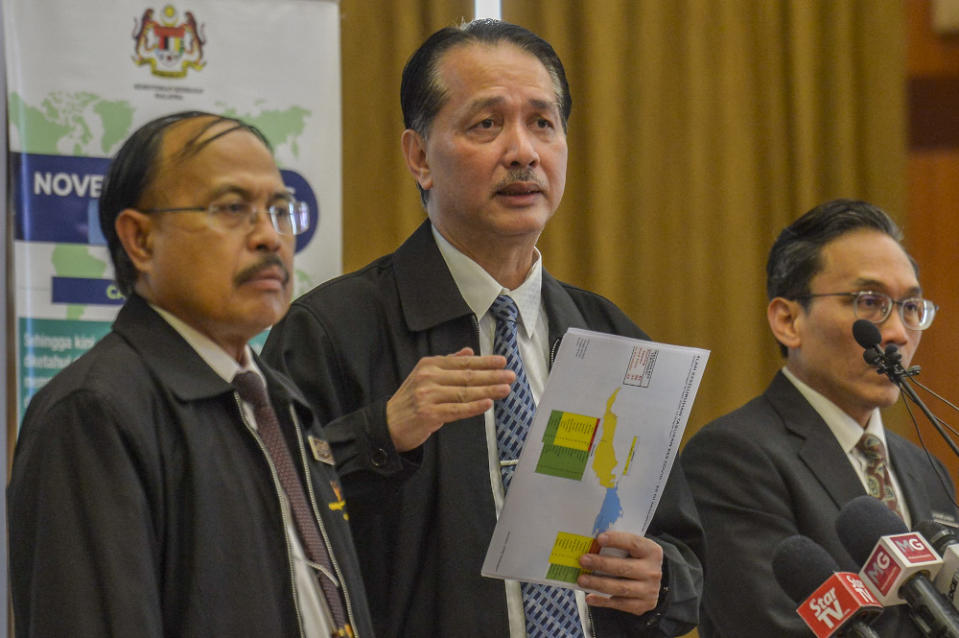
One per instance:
(601, 446)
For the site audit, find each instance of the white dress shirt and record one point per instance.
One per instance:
(848, 432)
(479, 290)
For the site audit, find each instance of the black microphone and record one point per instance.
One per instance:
(866, 334)
(896, 564)
(946, 542)
(831, 602)
(888, 361)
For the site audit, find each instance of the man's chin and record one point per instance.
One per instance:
(887, 396)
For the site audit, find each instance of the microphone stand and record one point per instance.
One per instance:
(888, 363)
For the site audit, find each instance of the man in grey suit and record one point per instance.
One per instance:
(786, 462)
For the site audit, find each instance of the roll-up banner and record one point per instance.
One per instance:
(82, 76)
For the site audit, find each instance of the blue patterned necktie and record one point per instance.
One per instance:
(878, 478)
(550, 611)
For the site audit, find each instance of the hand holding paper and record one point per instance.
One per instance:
(632, 582)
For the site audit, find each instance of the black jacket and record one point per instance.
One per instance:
(423, 520)
(772, 469)
(141, 505)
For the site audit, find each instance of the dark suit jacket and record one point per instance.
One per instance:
(772, 469)
(423, 520)
(141, 504)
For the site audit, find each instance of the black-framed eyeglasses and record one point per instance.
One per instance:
(290, 217)
(916, 313)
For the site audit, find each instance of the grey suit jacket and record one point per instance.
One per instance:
(771, 469)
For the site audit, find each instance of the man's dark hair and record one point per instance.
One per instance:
(796, 255)
(422, 94)
(134, 170)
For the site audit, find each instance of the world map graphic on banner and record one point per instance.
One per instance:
(84, 123)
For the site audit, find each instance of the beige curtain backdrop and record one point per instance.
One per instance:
(699, 129)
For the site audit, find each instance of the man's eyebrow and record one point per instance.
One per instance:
(233, 189)
(864, 283)
(544, 105)
(496, 100)
(485, 103)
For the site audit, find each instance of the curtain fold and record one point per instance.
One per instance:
(381, 204)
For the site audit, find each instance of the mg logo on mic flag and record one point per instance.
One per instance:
(894, 560)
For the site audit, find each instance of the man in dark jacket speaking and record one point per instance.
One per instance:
(162, 483)
(405, 359)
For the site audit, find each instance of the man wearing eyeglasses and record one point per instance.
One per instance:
(163, 484)
(787, 461)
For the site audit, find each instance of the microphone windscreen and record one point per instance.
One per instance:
(861, 523)
(801, 565)
(938, 535)
(866, 333)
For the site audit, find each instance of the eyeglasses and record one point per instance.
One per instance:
(288, 218)
(917, 313)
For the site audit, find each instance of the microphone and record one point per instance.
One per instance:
(889, 363)
(896, 564)
(944, 540)
(885, 361)
(831, 602)
(866, 334)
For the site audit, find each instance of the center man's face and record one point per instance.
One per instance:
(230, 284)
(497, 149)
(828, 358)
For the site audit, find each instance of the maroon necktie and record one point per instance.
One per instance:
(251, 389)
(877, 472)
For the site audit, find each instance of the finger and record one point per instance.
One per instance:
(624, 570)
(633, 544)
(443, 395)
(463, 361)
(449, 412)
(429, 378)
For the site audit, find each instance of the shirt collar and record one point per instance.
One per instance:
(214, 356)
(479, 289)
(845, 428)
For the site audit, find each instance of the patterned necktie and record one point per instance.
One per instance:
(550, 611)
(251, 389)
(878, 480)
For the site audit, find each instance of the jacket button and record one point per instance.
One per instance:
(379, 457)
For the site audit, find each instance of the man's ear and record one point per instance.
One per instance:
(135, 231)
(785, 317)
(414, 150)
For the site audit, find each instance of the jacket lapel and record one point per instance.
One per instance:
(909, 478)
(428, 295)
(816, 447)
(168, 355)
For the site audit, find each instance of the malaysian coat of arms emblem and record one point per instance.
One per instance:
(170, 46)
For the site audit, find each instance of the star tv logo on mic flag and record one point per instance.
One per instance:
(836, 601)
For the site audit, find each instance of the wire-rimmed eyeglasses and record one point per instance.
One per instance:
(916, 313)
(289, 217)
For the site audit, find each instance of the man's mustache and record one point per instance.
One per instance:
(252, 272)
(515, 175)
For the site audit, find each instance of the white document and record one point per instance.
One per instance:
(598, 454)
